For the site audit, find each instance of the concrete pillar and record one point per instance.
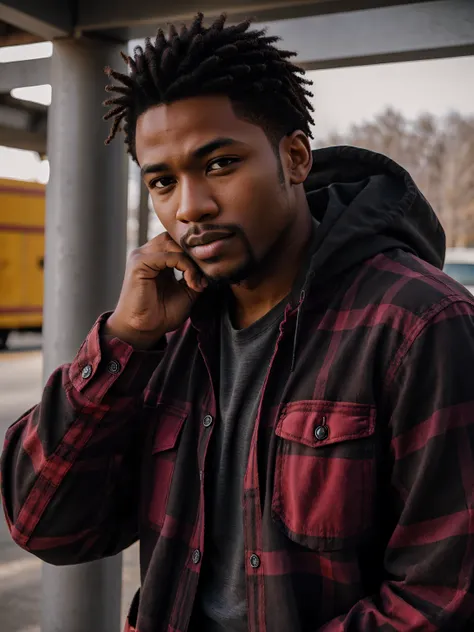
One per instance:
(84, 263)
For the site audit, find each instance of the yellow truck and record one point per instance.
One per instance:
(22, 216)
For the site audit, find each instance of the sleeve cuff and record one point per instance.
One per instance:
(105, 365)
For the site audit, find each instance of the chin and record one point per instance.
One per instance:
(220, 275)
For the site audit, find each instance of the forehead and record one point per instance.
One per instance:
(180, 127)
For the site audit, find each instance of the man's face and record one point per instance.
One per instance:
(215, 185)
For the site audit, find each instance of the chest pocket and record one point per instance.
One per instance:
(169, 424)
(324, 475)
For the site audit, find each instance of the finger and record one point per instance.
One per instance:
(192, 275)
(178, 260)
(161, 242)
(194, 280)
(191, 293)
(171, 245)
(164, 242)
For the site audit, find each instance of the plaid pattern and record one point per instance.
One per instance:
(359, 490)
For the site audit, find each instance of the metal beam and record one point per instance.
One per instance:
(427, 30)
(355, 36)
(11, 36)
(422, 30)
(133, 19)
(20, 74)
(23, 125)
(440, 28)
(23, 139)
(47, 19)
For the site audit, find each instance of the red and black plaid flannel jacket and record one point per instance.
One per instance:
(359, 489)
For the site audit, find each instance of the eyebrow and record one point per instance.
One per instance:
(197, 154)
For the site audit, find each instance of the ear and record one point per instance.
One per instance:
(296, 153)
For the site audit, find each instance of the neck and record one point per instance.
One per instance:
(257, 295)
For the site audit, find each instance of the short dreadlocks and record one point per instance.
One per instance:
(264, 86)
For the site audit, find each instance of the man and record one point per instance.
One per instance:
(289, 429)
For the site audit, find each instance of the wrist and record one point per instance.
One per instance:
(139, 340)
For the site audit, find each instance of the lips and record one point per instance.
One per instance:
(208, 249)
(206, 238)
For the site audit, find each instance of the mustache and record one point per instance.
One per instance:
(204, 228)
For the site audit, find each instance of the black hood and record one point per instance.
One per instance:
(367, 204)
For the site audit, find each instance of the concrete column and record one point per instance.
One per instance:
(84, 263)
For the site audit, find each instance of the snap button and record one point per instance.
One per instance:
(207, 421)
(321, 433)
(86, 372)
(254, 561)
(114, 367)
(196, 556)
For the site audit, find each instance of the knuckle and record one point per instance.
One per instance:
(135, 255)
(158, 240)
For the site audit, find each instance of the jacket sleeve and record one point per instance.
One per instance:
(429, 560)
(70, 465)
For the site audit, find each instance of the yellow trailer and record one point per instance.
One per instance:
(22, 216)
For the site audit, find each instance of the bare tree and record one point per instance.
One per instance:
(438, 153)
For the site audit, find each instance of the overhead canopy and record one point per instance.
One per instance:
(423, 30)
(324, 33)
(127, 20)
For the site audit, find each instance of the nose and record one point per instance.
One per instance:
(196, 202)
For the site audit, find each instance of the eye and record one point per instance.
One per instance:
(161, 183)
(221, 163)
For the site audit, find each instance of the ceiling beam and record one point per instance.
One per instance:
(434, 29)
(11, 36)
(23, 125)
(23, 139)
(134, 19)
(21, 74)
(429, 30)
(45, 18)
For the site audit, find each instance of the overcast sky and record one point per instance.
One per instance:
(346, 96)
(350, 95)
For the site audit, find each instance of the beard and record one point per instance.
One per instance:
(244, 271)
(248, 267)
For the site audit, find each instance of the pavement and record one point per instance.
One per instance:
(20, 572)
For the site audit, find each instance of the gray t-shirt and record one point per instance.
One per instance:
(245, 355)
(244, 361)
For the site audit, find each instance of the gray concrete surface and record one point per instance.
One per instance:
(20, 573)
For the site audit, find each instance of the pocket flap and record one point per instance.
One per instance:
(316, 423)
(168, 426)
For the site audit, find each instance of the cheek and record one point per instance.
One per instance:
(260, 205)
(165, 213)
(167, 218)
(252, 190)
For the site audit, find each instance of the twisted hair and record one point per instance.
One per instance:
(263, 85)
